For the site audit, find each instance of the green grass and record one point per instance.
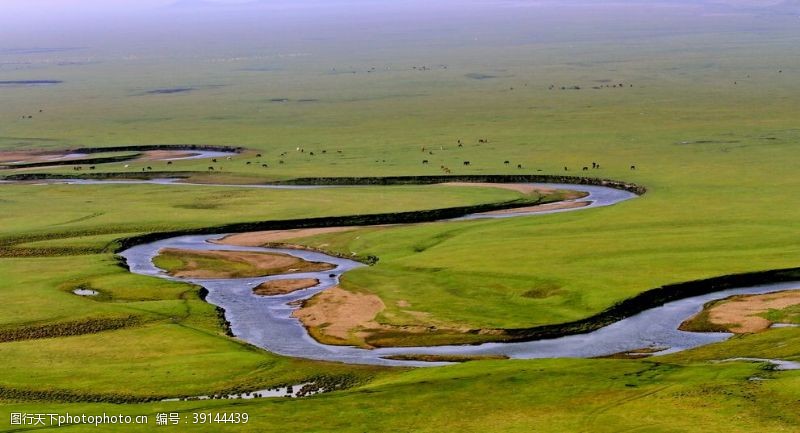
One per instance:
(64, 211)
(520, 396)
(719, 160)
(176, 341)
(785, 315)
(478, 273)
(161, 360)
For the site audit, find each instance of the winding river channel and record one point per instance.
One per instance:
(267, 322)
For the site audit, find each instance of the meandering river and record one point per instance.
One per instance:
(267, 322)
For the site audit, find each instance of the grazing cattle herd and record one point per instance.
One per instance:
(466, 163)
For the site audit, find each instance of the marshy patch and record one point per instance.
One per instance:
(197, 206)
(29, 83)
(317, 384)
(135, 120)
(260, 69)
(544, 291)
(86, 289)
(689, 142)
(221, 118)
(479, 76)
(37, 50)
(170, 91)
(289, 391)
(81, 219)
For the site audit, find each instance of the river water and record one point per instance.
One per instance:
(266, 321)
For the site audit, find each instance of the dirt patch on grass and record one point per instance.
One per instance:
(282, 287)
(232, 264)
(540, 208)
(257, 239)
(340, 317)
(741, 314)
(35, 156)
(518, 187)
(335, 316)
(6, 157)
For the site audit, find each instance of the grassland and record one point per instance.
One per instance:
(521, 396)
(710, 124)
(170, 323)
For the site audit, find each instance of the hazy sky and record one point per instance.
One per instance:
(36, 22)
(97, 23)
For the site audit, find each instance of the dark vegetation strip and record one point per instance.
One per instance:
(147, 147)
(444, 358)
(65, 329)
(28, 82)
(6, 251)
(488, 178)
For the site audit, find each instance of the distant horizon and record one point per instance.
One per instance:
(85, 23)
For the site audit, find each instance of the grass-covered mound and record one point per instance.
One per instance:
(231, 264)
